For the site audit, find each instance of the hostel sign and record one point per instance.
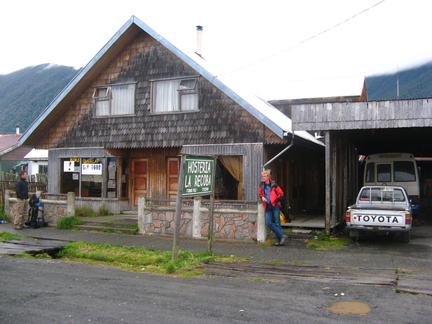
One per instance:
(198, 176)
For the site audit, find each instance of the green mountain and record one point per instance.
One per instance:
(414, 83)
(24, 94)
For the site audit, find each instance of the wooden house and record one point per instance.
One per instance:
(12, 153)
(117, 130)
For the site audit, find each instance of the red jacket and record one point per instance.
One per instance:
(275, 193)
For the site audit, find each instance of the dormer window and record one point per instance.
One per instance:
(175, 95)
(114, 100)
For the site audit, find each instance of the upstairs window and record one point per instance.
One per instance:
(175, 95)
(114, 100)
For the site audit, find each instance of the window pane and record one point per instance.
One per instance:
(383, 172)
(166, 96)
(188, 84)
(123, 99)
(370, 172)
(91, 177)
(69, 177)
(102, 108)
(189, 102)
(404, 171)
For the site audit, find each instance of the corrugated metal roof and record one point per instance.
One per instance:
(267, 114)
(36, 154)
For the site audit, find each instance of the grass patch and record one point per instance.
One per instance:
(68, 223)
(89, 212)
(139, 260)
(5, 236)
(325, 242)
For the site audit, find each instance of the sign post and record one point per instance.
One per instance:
(196, 178)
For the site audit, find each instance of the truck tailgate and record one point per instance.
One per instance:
(365, 217)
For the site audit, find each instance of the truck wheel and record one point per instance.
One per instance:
(405, 237)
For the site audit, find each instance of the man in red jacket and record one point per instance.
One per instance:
(272, 195)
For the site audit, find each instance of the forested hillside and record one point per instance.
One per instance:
(24, 94)
(413, 84)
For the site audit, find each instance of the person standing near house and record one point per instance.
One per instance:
(21, 189)
(272, 195)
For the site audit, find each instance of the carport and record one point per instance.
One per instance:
(351, 129)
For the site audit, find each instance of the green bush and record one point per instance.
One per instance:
(68, 222)
(104, 212)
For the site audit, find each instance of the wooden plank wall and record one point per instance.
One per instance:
(341, 178)
(362, 115)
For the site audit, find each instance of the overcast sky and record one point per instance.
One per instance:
(263, 42)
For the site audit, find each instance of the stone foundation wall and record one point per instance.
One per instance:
(229, 223)
(53, 209)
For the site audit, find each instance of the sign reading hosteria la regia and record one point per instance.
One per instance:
(198, 176)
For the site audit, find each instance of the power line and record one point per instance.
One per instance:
(302, 42)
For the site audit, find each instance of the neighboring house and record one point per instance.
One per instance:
(37, 162)
(12, 153)
(117, 130)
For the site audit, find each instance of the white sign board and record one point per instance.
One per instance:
(69, 166)
(95, 169)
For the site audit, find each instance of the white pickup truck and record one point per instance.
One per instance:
(382, 209)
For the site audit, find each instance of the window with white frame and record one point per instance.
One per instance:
(175, 95)
(114, 100)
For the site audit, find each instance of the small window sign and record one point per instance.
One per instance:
(92, 169)
(69, 166)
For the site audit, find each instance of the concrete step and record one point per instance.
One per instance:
(127, 225)
(107, 229)
(109, 224)
(129, 212)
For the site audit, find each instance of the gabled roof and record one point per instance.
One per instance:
(11, 149)
(270, 116)
(8, 141)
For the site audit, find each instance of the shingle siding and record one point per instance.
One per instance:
(219, 120)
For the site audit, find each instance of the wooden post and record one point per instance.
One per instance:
(328, 169)
(7, 208)
(176, 240)
(211, 216)
(211, 221)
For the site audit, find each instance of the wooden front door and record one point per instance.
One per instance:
(139, 179)
(172, 180)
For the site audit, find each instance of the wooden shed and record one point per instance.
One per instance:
(352, 129)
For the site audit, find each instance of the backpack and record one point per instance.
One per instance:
(33, 200)
(34, 221)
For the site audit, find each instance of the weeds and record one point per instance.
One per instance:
(5, 236)
(89, 212)
(137, 259)
(326, 242)
(68, 223)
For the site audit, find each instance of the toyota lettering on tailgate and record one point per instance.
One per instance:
(376, 219)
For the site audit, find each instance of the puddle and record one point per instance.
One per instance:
(349, 308)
